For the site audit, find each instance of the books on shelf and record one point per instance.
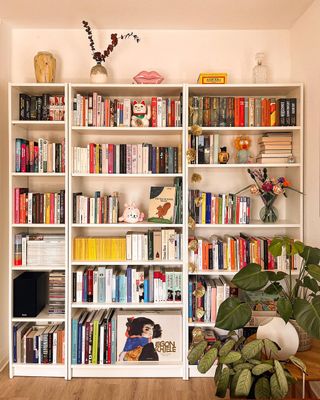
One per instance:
(165, 204)
(143, 158)
(227, 208)
(41, 108)
(56, 302)
(155, 245)
(131, 284)
(39, 249)
(101, 111)
(205, 297)
(38, 344)
(242, 111)
(95, 210)
(40, 156)
(206, 148)
(275, 148)
(38, 208)
(149, 336)
(113, 336)
(232, 253)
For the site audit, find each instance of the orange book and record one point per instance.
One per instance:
(237, 111)
(232, 250)
(205, 255)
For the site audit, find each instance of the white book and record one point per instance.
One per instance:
(29, 208)
(164, 244)
(53, 158)
(95, 286)
(24, 250)
(128, 246)
(126, 112)
(134, 247)
(145, 159)
(91, 211)
(171, 236)
(215, 148)
(140, 164)
(134, 160)
(159, 111)
(200, 254)
(164, 113)
(54, 346)
(104, 159)
(139, 246)
(101, 346)
(109, 274)
(79, 285)
(133, 285)
(145, 247)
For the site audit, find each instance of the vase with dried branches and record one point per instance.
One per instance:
(98, 73)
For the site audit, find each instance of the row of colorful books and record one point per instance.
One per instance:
(155, 245)
(235, 252)
(38, 208)
(38, 249)
(42, 156)
(164, 244)
(97, 110)
(56, 298)
(275, 148)
(205, 297)
(110, 336)
(129, 285)
(208, 208)
(206, 148)
(41, 108)
(141, 158)
(242, 111)
(95, 210)
(38, 344)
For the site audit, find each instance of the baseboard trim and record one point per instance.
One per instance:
(3, 363)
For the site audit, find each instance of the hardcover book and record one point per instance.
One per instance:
(149, 336)
(161, 204)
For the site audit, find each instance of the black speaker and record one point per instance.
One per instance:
(30, 291)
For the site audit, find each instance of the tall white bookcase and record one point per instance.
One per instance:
(36, 182)
(215, 178)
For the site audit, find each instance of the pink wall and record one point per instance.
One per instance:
(178, 55)
(305, 59)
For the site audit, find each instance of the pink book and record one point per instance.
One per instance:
(104, 159)
(213, 304)
(110, 158)
(16, 205)
(23, 166)
(52, 208)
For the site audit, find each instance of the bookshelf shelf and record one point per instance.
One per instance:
(43, 316)
(129, 262)
(39, 175)
(129, 306)
(88, 130)
(38, 225)
(250, 130)
(40, 268)
(53, 370)
(253, 224)
(227, 273)
(223, 166)
(202, 324)
(39, 125)
(131, 226)
(127, 176)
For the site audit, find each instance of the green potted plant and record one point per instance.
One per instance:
(247, 369)
(297, 299)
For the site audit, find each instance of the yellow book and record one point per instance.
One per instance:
(203, 208)
(97, 150)
(47, 208)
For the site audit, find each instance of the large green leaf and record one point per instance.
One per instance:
(250, 278)
(274, 288)
(250, 350)
(207, 360)
(223, 383)
(217, 373)
(196, 353)
(311, 284)
(227, 347)
(282, 379)
(297, 247)
(244, 383)
(261, 368)
(230, 358)
(299, 363)
(275, 247)
(307, 315)
(262, 389)
(284, 308)
(276, 276)
(233, 314)
(311, 255)
(314, 271)
(271, 347)
(233, 384)
(276, 392)
(241, 366)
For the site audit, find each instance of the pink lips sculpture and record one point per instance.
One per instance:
(151, 77)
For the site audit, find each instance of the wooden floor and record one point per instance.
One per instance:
(104, 389)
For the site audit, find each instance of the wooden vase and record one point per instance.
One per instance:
(44, 67)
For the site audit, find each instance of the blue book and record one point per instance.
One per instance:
(122, 288)
(208, 208)
(190, 300)
(18, 155)
(79, 347)
(74, 337)
(85, 286)
(146, 290)
(113, 339)
(117, 288)
(129, 284)
(220, 254)
(154, 160)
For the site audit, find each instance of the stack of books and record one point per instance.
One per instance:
(99, 249)
(224, 208)
(216, 291)
(232, 253)
(39, 249)
(275, 148)
(38, 344)
(41, 108)
(41, 156)
(142, 158)
(56, 292)
(126, 285)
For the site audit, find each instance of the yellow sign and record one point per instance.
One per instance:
(213, 78)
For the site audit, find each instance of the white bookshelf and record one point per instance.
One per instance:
(230, 177)
(216, 178)
(41, 182)
(131, 187)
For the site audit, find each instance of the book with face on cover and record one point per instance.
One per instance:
(162, 204)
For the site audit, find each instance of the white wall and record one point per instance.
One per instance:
(305, 60)
(178, 55)
(5, 56)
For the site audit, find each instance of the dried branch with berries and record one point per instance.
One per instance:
(99, 56)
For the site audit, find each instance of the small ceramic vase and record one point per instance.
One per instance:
(98, 74)
(223, 156)
(44, 67)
